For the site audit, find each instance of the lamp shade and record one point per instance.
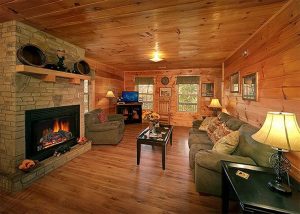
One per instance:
(215, 103)
(280, 130)
(110, 94)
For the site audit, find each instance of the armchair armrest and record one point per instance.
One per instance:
(197, 123)
(212, 160)
(100, 127)
(115, 117)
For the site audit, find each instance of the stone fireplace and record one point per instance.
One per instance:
(22, 94)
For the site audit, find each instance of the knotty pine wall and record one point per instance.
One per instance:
(105, 78)
(178, 118)
(274, 52)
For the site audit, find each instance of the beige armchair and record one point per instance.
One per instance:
(110, 132)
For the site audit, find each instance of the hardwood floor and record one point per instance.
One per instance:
(107, 180)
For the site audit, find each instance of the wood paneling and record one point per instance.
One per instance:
(124, 33)
(274, 53)
(106, 78)
(107, 180)
(179, 118)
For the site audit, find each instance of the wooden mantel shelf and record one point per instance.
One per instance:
(48, 75)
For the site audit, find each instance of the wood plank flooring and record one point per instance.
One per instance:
(107, 180)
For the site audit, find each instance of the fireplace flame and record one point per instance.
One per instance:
(61, 125)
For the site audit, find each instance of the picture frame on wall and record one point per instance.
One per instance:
(235, 82)
(207, 89)
(250, 86)
(165, 92)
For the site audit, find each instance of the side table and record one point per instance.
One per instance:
(253, 194)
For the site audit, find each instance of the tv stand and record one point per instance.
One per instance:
(132, 112)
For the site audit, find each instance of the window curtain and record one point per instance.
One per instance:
(144, 81)
(187, 80)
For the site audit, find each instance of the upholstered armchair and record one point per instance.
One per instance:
(109, 132)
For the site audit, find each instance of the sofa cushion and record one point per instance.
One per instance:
(193, 151)
(228, 143)
(91, 117)
(213, 126)
(211, 160)
(234, 123)
(220, 132)
(195, 131)
(205, 123)
(248, 147)
(224, 117)
(200, 138)
(101, 127)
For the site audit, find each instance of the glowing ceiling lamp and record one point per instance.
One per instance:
(156, 57)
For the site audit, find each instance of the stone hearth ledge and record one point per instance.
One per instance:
(20, 180)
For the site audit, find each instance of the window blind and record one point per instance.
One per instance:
(144, 81)
(187, 80)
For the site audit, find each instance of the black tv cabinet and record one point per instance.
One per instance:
(132, 112)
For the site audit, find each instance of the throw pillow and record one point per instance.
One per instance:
(220, 132)
(102, 117)
(228, 143)
(205, 123)
(213, 125)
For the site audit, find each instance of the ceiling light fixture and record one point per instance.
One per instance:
(156, 57)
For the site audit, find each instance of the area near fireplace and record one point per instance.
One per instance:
(23, 94)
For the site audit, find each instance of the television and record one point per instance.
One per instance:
(130, 96)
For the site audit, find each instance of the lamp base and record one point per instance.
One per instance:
(280, 187)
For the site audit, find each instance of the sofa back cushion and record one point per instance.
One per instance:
(234, 123)
(90, 118)
(224, 117)
(248, 147)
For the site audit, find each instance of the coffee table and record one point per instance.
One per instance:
(253, 194)
(144, 137)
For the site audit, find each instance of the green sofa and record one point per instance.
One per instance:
(110, 132)
(206, 164)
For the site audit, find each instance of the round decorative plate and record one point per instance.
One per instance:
(165, 80)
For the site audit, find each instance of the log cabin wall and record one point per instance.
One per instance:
(105, 78)
(273, 53)
(178, 118)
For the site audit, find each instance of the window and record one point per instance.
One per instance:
(145, 86)
(188, 88)
(146, 94)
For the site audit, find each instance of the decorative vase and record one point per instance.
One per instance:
(153, 126)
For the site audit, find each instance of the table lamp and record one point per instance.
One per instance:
(215, 105)
(110, 94)
(281, 131)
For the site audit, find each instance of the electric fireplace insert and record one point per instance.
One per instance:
(47, 129)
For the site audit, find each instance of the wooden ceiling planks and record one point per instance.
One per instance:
(124, 33)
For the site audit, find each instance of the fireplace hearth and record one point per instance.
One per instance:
(49, 128)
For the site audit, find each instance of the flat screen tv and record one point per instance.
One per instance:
(130, 96)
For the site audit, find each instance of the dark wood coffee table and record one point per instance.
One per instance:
(253, 194)
(162, 141)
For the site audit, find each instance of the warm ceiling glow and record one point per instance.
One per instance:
(156, 57)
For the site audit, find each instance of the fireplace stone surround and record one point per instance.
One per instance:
(19, 93)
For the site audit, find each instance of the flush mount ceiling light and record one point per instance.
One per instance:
(156, 57)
